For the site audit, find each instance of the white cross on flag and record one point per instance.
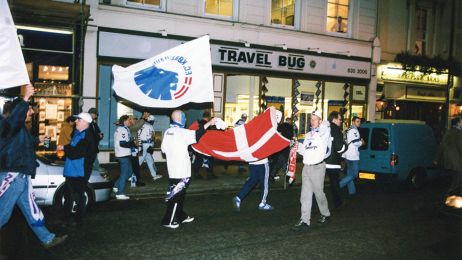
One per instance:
(250, 142)
(13, 70)
(173, 78)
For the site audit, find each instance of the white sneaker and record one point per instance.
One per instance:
(115, 190)
(157, 177)
(188, 220)
(172, 225)
(122, 197)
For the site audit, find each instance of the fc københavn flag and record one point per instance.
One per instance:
(13, 70)
(175, 77)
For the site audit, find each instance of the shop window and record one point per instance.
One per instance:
(279, 95)
(283, 12)
(241, 97)
(337, 16)
(306, 105)
(49, 72)
(222, 8)
(421, 31)
(150, 4)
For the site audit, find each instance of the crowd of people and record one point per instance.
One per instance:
(325, 149)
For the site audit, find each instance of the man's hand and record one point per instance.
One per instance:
(60, 148)
(29, 92)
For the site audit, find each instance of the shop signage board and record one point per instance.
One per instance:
(143, 47)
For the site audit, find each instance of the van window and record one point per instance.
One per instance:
(379, 139)
(364, 133)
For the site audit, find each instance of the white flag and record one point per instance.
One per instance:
(175, 77)
(13, 70)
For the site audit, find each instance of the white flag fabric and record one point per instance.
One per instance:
(173, 78)
(13, 70)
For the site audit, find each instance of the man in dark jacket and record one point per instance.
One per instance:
(281, 158)
(96, 132)
(17, 165)
(333, 162)
(80, 155)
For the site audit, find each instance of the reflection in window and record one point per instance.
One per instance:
(421, 31)
(150, 3)
(379, 139)
(241, 97)
(283, 12)
(219, 7)
(337, 16)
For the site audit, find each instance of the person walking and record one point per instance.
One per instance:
(134, 126)
(96, 132)
(281, 158)
(175, 147)
(315, 148)
(449, 155)
(146, 144)
(17, 166)
(334, 161)
(201, 160)
(354, 141)
(123, 148)
(241, 121)
(80, 154)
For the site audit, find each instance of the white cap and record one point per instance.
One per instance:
(317, 113)
(85, 117)
(151, 118)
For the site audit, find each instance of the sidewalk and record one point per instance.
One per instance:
(228, 180)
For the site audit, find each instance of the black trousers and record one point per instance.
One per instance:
(198, 160)
(280, 160)
(175, 212)
(334, 178)
(136, 167)
(76, 194)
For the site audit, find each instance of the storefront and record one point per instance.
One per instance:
(412, 95)
(246, 79)
(49, 35)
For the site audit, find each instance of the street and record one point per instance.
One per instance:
(380, 222)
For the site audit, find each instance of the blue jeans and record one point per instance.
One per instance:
(126, 171)
(258, 173)
(352, 173)
(18, 194)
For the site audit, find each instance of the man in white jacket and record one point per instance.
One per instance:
(315, 148)
(146, 144)
(353, 141)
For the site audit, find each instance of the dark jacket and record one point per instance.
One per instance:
(95, 131)
(286, 130)
(449, 153)
(338, 145)
(80, 154)
(17, 145)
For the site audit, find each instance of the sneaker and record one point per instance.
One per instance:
(237, 203)
(276, 178)
(115, 190)
(55, 241)
(156, 177)
(265, 207)
(188, 220)
(323, 219)
(300, 226)
(122, 197)
(172, 225)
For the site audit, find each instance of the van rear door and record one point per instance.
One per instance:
(375, 157)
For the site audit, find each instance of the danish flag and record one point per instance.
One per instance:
(250, 142)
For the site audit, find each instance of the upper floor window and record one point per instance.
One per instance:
(219, 7)
(150, 4)
(337, 16)
(421, 31)
(283, 12)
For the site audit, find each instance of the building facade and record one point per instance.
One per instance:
(295, 55)
(416, 73)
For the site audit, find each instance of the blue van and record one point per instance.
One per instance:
(398, 149)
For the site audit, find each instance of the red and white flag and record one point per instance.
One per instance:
(13, 70)
(250, 142)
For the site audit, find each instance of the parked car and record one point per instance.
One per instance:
(49, 187)
(397, 149)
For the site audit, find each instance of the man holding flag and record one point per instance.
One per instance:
(17, 155)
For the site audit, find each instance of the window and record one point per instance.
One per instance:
(337, 16)
(379, 139)
(151, 4)
(219, 7)
(421, 31)
(283, 12)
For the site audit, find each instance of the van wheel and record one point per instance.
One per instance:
(63, 206)
(417, 177)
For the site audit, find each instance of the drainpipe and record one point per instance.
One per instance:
(450, 60)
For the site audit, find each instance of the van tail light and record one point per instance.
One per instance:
(394, 160)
